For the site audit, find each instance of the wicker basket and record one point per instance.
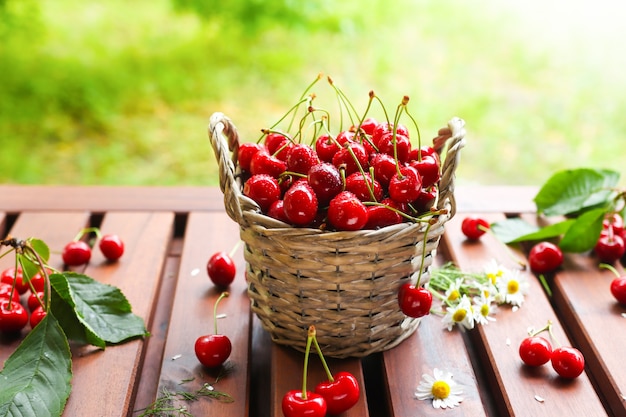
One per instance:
(344, 283)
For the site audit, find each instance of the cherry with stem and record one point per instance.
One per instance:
(300, 403)
(212, 350)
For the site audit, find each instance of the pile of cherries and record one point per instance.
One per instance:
(14, 312)
(367, 177)
(14, 315)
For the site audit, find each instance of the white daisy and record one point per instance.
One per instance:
(453, 292)
(461, 313)
(440, 386)
(484, 308)
(513, 287)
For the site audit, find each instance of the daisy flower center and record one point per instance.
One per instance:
(458, 316)
(512, 286)
(454, 295)
(484, 310)
(441, 390)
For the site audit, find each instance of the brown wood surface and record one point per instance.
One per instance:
(517, 385)
(169, 235)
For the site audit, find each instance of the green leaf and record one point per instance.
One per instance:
(510, 230)
(41, 248)
(517, 230)
(584, 232)
(101, 309)
(571, 191)
(36, 378)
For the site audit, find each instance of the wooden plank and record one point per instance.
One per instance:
(432, 346)
(582, 294)
(102, 198)
(498, 342)
(56, 229)
(287, 373)
(192, 317)
(138, 273)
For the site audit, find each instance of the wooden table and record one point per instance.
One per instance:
(171, 232)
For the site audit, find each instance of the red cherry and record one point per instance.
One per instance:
(426, 199)
(6, 290)
(221, 269)
(406, 185)
(344, 137)
(36, 316)
(368, 125)
(214, 349)
(301, 157)
(277, 144)
(34, 300)
(419, 153)
(350, 157)
(545, 257)
(610, 247)
(9, 275)
(414, 301)
(300, 204)
(326, 148)
(535, 351)
(325, 179)
(347, 212)
(384, 168)
(428, 168)
(247, 150)
(568, 362)
(13, 316)
(616, 221)
(76, 253)
(294, 405)
(341, 394)
(263, 189)
(385, 127)
(396, 145)
(111, 246)
(38, 281)
(618, 289)
(381, 216)
(265, 163)
(474, 227)
(359, 185)
(277, 211)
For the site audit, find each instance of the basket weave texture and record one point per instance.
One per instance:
(343, 282)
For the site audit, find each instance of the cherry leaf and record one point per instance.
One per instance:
(575, 190)
(584, 232)
(101, 309)
(36, 378)
(517, 230)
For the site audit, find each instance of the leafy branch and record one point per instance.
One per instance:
(581, 199)
(36, 378)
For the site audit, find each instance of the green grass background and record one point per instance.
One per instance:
(120, 92)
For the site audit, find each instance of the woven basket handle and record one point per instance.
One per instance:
(454, 135)
(225, 141)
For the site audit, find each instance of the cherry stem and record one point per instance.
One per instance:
(87, 230)
(545, 285)
(234, 249)
(307, 351)
(423, 260)
(222, 295)
(329, 375)
(610, 268)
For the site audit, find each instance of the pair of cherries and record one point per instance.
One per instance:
(78, 252)
(536, 351)
(334, 396)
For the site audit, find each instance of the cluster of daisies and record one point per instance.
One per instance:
(471, 298)
(468, 299)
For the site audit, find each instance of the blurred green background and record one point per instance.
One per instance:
(118, 92)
